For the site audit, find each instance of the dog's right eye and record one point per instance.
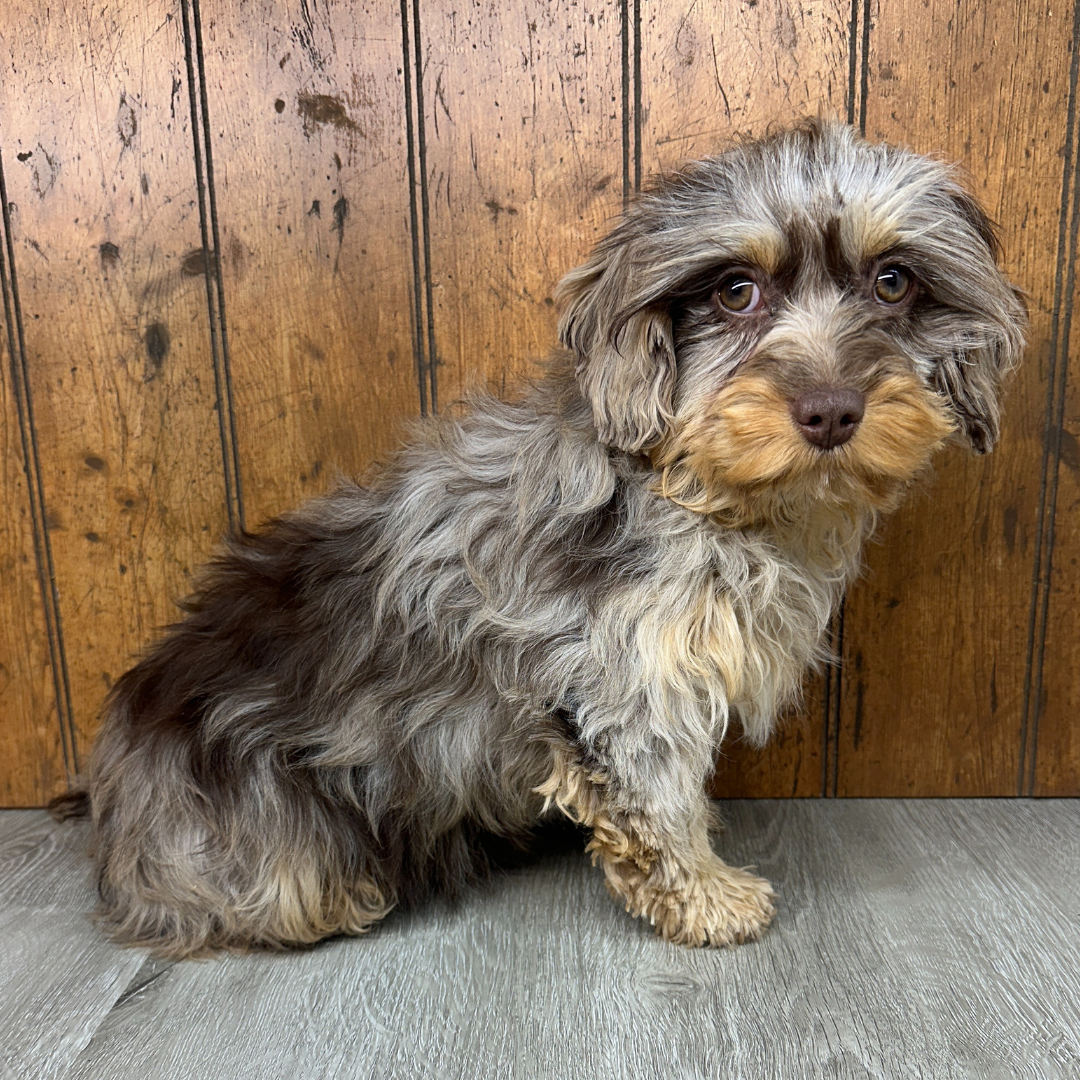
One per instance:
(738, 293)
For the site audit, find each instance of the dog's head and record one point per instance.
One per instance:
(807, 314)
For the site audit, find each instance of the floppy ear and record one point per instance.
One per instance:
(971, 376)
(971, 380)
(625, 354)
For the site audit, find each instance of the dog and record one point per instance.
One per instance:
(557, 604)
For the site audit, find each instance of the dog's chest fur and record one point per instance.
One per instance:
(732, 619)
(585, 587)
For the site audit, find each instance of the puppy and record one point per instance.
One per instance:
(559, 603)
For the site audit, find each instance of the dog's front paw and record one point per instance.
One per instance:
(721, 905)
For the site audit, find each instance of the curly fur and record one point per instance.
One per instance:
(559, 603)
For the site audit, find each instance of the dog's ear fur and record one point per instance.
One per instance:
(625, 355)
(971, 377)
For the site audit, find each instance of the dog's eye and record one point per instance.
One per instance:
(893, 284)
(738, 293)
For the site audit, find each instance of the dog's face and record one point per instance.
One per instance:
(803, 316)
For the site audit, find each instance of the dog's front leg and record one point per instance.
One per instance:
(662, 866)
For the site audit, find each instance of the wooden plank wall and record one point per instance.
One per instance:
(241, 245)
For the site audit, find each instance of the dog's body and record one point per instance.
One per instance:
(560, 602)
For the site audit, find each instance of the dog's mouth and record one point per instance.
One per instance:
(758, 445)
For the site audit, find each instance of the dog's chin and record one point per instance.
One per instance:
(745, 461)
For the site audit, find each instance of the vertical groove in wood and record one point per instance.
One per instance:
(424, 347)
(1054, 427)
(630, 40)
(43, 555)
(425, 211)
(637, 95)
(211, 246)
(864, 68)
(624, 41)
(853, 62)
(419, 273)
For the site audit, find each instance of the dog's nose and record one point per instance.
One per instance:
(828, 417)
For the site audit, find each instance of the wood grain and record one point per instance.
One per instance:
(306, 107)
(1053, 764)
(522, 128)
(527, 121)
(709, 72)
(30, 737)
(933, 939)
(936, 634)
(714, 70)
(102, 188)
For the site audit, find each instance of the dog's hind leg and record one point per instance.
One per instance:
(186, 867)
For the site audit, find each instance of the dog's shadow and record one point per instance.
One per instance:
(509, 874)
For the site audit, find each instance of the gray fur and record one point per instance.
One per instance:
(367, 687)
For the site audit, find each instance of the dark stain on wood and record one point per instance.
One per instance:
(127, 124)
(320, 109)
(177, 85)
(193, 264)
(43, 178)
(1069, 450)
(496, 208)
(310, 348)
(92, 461)
(341, 212)
(237, 254)
(157, 343)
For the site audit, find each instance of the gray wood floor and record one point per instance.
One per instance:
(933, 939)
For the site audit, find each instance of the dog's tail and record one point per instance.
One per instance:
(72, 804)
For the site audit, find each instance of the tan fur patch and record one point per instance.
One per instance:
(866, 231)
(704, 640)
(903, 427)
(763, 248)
(304, 908)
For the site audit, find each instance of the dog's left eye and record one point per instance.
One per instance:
(738, 293)
(893, 284)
